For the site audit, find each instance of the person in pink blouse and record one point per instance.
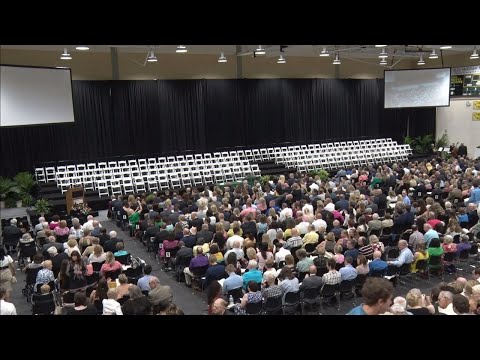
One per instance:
(110, 264)
(61, 229)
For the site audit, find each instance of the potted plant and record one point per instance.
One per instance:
(42, 207)
(9, 192)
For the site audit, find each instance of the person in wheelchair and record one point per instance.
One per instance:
(27, 248)
(45, 275)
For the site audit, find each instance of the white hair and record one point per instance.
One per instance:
(113, 234)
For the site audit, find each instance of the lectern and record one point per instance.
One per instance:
(74, 196)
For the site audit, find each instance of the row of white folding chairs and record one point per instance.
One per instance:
(330, 161)
(152, 169)
(172, 180)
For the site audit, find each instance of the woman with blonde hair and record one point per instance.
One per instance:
(72, 245)
(98, 255)
(122, 289)
(420, 254)
(376, 244)
(418, 303)
(110, 264)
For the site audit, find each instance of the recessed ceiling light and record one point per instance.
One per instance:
(380, 46)
(445, 47)
(82, 48)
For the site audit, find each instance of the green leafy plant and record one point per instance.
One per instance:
(27, 200)
(10, 203)
(265, 179)
(9, 189)
(43, 206)
(25, 182)
(322, 174)
(442, 142)
(420, 144)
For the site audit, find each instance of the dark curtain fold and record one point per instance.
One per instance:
(141, 118)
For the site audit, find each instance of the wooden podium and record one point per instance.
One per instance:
(74, 196)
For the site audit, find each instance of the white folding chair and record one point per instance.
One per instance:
(40, 175)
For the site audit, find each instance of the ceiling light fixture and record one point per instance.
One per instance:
(337, 60)
(65, 55)
(383, 54)
(445, 47)
(379, 46)
(474, 55)
(181, 49)
(152, 57)
(383, 62)
(281, 60)
(433, 55)
(324, 52)
(260, 50)
(82, 47)
(421, 62)
(222, 58)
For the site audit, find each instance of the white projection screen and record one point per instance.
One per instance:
(35, 96)
(417, 88)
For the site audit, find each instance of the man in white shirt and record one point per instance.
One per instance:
(319, 222)
(88, 224)
(445, 306)
(6, 308)
(285, 213)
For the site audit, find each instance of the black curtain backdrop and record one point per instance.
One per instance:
(141, 118)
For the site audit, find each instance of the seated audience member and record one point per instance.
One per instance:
(253, 295)
(348, 272)
(110, 305)
(110, 265)
(82, 307)
(137, 303)
(159, 295)
(253, 274)
(311, 281)
(405, 256)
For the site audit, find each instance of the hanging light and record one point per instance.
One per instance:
(222, 58)
(383, 62)
(433, 55)
(337, 60)
(383, 54)
(82, 47)
(281, 60)
(474, 55)
(421, 62)
(152, 57)
(181, 49)
(65, 55)
(324, 52)
(260, 50)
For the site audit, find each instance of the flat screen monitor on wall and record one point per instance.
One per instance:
(417, 88)
(35, 96)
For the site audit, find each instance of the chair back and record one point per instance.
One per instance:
(310, 294)
(43, 304)
(359, 281)
(254, 308)
(377, 273)
(309, 248)
(449, 257)
(124, 259)
(435, 261)
(113, 275)
(421, 265)
(200, 271)
(237, 294)
(273, 305)
(96, 266)
(32, 275)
